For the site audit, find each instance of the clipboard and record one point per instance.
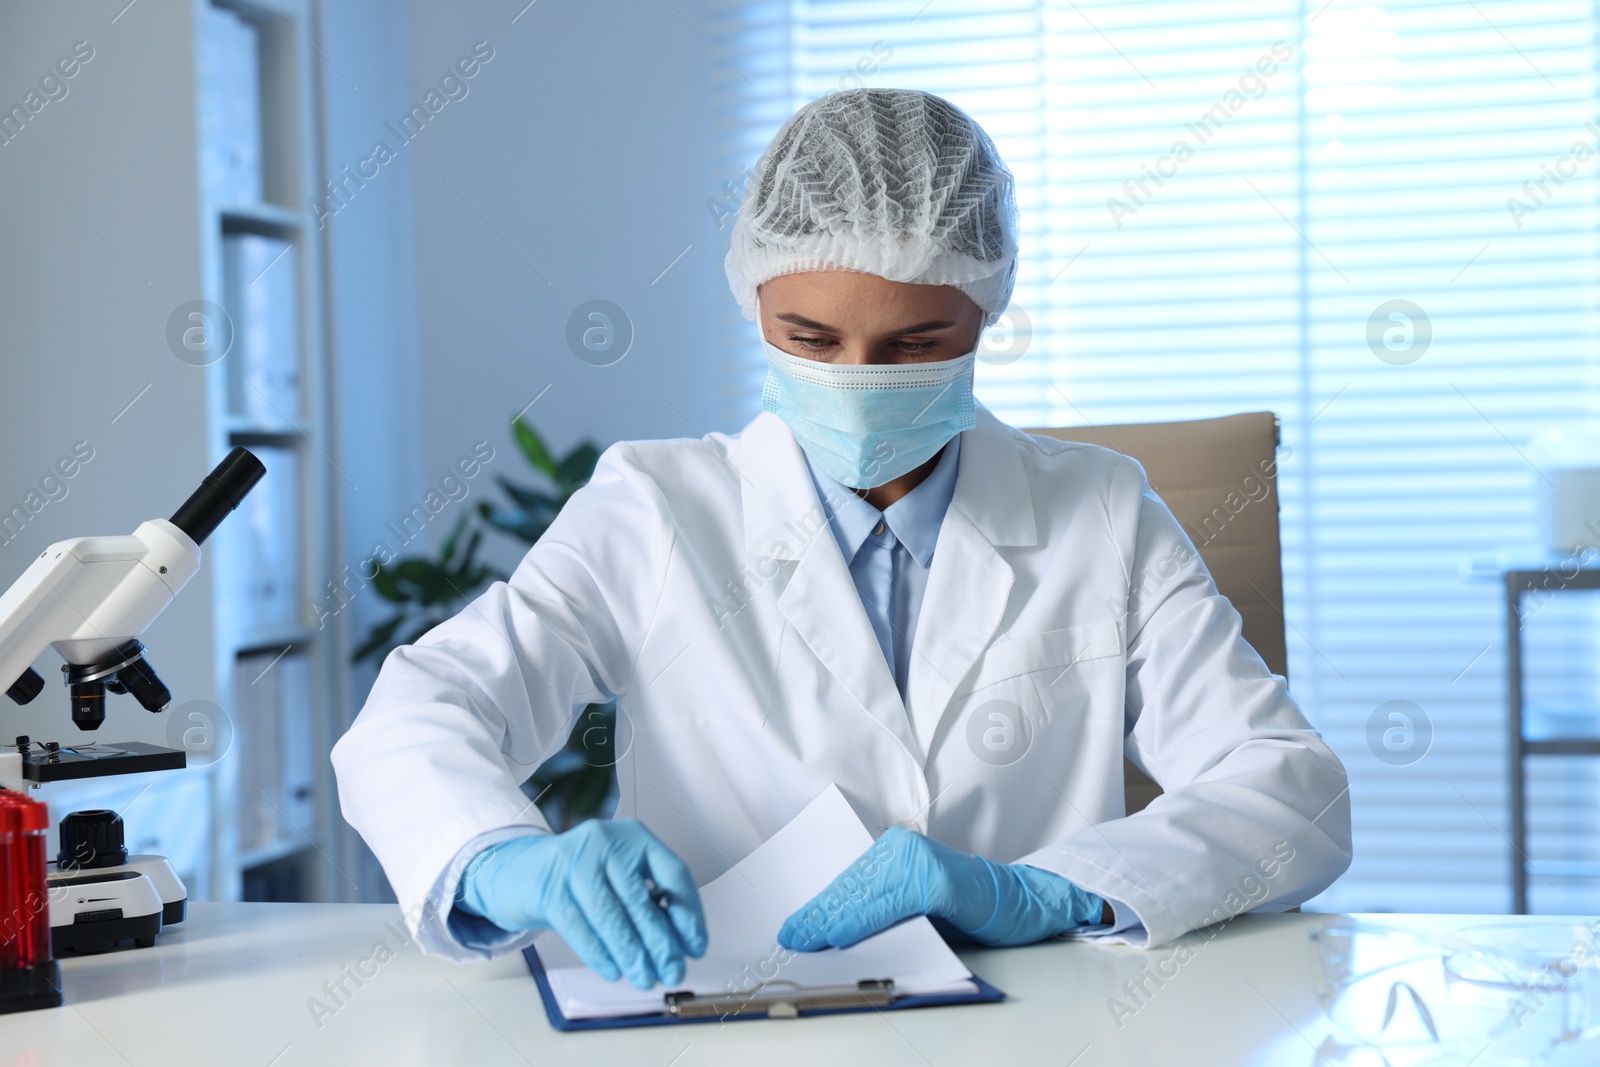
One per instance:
(773, 1000)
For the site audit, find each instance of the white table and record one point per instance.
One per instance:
(235, 985)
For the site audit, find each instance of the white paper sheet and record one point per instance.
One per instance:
(744, 909)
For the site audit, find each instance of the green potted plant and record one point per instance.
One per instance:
(576, 783)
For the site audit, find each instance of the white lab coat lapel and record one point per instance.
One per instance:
(970, 581)
(783, 519)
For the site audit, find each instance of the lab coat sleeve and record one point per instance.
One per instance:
(474, 933)
(458, 720)
(1122, 918)
(1255, 813)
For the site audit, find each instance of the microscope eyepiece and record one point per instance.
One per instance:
(220, 492)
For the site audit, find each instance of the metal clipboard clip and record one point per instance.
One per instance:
(782, 1003)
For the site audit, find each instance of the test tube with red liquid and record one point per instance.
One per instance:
(29, 975)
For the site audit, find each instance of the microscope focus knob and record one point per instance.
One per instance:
(91, 838)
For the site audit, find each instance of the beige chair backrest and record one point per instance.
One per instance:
(1219, 478)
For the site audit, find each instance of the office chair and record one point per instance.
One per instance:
(1194, 466)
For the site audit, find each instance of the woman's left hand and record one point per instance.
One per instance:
(905, 874)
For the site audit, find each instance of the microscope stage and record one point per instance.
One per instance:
(99, 760)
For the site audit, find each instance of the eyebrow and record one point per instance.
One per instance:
(801, 320)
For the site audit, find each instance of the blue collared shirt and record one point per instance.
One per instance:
(889, 552)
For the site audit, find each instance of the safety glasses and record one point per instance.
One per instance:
(1496, 993)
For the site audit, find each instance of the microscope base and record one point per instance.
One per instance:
(82, 938)
(98, 909)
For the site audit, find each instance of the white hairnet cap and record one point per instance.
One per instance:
(895, 182)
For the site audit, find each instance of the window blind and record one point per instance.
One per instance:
(1371, 219)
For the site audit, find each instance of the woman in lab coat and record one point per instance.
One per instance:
(875, 584)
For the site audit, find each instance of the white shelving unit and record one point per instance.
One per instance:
(104, 253)
(268, 841)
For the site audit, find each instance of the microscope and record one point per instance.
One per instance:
(91, 598)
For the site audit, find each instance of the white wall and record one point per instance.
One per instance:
(98, 246)
(583, 148)
(588, 163)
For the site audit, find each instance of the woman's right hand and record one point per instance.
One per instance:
(618, 896)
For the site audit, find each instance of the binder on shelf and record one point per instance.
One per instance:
(229, 88)
(299, 744)
(273, 730)
(258, 556)
(261, 279)
(258, 738)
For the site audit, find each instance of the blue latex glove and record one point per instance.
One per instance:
(592, 886)
(905, 874)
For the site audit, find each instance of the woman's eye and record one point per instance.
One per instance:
(905, 348)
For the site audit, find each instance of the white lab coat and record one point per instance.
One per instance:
(1067, 621)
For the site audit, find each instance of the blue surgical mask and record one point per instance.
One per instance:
(867, 424)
